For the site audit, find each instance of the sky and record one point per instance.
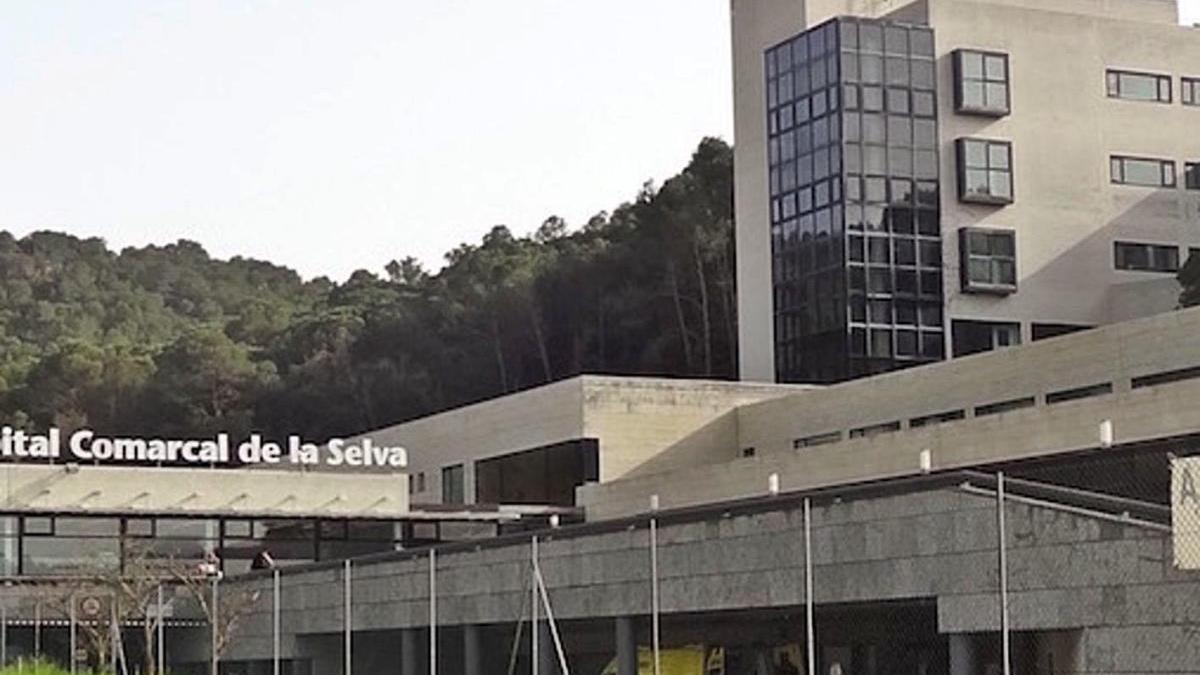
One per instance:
(340, 134)
(335, 135)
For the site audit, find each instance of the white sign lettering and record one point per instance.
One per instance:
(85, 446)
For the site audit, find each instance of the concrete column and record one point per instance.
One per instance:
(472, 650)
(963, 660)
(410, 642)
(627, 660)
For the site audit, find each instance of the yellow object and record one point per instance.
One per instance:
(689, 660)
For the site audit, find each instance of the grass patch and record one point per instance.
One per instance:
(43, 668)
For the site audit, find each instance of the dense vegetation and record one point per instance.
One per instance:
(167, 340)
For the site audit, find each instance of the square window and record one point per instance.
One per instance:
(981, 82)
(921, 42)
(931, 253)
(922, 104)
(932, 345)
(895, 40)
(985, 171)
(989, 263)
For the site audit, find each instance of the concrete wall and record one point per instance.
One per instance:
(1066, 572)
(653, 425)
(756, 24)
(642, 424)
(529, 419)
(1063, 128)
(1112, 354)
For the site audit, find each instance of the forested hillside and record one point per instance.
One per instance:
(167, 340)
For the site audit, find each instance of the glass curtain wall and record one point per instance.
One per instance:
(854, 185)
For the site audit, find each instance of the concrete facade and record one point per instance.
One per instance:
(1063, 127)
(642, 425)
(864, 448)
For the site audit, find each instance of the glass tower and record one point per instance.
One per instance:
(855, 231)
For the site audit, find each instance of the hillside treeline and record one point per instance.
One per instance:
(166, 340)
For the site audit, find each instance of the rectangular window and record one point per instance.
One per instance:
(1142, 171)
(1078, 393)
(452, 484)
(817, 439)
(989, 260)
(1045, 331)
(875, 430)
(985, 171)
(939, 418)
(1137, 257)
(973, 337)
(1191, 91)
(1166, 377)
(1191, 175)
(1139, 86)
(1004, 406)
(981, 82)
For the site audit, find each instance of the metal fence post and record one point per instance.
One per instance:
(161, 630)
(1005, 646)
(432, 612)
(810, 628)
(71, 637)
(275, 624)
(37, 629)
(213, 620)
(115, 632)
(535, 653)
(654, 600)
(348, 619)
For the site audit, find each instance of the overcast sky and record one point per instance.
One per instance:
(336, 135)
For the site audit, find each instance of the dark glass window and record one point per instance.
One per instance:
(981, 82)
(973, 337)
(989, 260)
(1139, 257)
(1190, 91)
(1142, 171)
(1191, 175)
(1139, 86)
(453, 491)
(985, 171)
